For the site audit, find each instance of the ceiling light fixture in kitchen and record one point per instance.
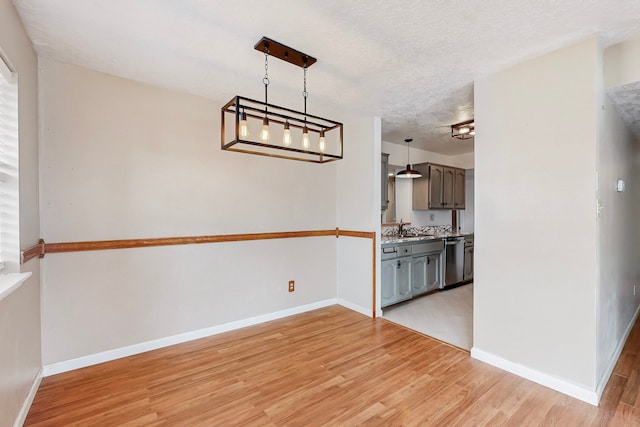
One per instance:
(409, 172)
(464, 130)
(277, 128)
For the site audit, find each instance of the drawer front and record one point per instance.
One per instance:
(389, 252)
(404, 250)
(423, 248)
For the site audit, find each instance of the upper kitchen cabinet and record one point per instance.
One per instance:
(384, 173)
(458, 189)
(448, 188)
(441, 187)
(421, 190)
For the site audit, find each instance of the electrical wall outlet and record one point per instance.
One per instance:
(634, 290)
(292, 285)
(432, 217)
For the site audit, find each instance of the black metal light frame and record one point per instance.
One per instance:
(455, 130)
(255, 111)
(280, 115)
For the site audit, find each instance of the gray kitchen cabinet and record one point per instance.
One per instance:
(448, 182)
(436, 179)
(435, 271)
(426, 273)
(468, 264)
(396, 280)
(404, 278)
(384, 174)
(421, 187)
(441, 187)
(410, 269)
(419, 266)
(388, 282)
(459, 184)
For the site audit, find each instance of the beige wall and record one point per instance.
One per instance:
(358, 208)
(121, 159)
(622, 63)
(398, 156)
(618, 236)
(20, 311)
(535, 264)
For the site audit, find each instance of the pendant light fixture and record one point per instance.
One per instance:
(244, 126)
(270, 130)
(286, 135)
(409, 172)
(464, 130)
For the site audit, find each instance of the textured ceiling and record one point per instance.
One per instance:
(627, 100)
(411, 62)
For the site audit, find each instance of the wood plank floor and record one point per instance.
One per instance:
(326, 367)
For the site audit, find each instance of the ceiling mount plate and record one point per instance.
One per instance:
(285, 53)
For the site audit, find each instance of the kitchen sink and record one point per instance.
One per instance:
(417, 235)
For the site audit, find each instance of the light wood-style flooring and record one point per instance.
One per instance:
(326, 367)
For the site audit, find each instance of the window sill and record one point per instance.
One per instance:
(11, 282)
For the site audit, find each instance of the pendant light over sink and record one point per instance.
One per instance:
(409, 172)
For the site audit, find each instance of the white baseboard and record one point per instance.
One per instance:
(26, 405)
(118, 353)
(604, 378)
(563, 386)
(355, 307)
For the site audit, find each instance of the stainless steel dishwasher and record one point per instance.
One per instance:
(454, 261)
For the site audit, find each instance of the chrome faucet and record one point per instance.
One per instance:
(401, 228)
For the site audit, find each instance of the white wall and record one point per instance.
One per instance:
(618, 231)
(535, 264)
(20, 311)
(121, 159)
(404, 187)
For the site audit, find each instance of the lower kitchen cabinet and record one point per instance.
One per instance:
(409, 270)
(396, 280)
(426, 273)
(468, 264)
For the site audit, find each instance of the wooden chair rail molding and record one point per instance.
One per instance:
(43, 248)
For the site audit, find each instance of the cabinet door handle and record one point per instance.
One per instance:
(398, 266)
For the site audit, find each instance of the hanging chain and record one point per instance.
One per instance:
(305, 94)
(265, 80)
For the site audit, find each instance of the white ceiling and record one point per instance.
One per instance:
(411, 62)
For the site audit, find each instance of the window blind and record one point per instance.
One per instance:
(9, 226)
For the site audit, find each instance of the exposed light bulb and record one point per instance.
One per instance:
(464, 130)
(473, 132)
(264, 133)
(305, 138)
(322, 144)
(244, 126)
(286, 136)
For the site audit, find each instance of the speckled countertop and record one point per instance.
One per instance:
(393, 239)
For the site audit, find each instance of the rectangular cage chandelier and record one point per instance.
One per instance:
(463, 130)
(256, 127)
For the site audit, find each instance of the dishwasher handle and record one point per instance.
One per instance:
(453, 242)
